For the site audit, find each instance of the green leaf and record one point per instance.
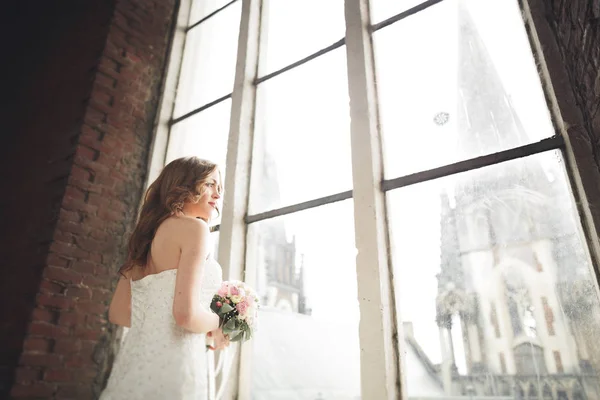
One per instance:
(225, 308)
(230, 325)
(238, 337)
(235, 334)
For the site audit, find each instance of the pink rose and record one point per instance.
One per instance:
(223, 291)
(234, 291)
(242, 307)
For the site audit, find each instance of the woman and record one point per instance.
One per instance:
(166, 287)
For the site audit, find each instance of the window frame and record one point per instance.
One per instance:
(377, 300)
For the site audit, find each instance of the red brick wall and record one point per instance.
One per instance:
(92, 73)
(569, 32)
(53, 51)
(576, 27)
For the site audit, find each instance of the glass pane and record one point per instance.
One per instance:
(495, 283)
(202, 8)
(210, 53)
(467, 88)
(306, 346)
(302, 135)
(294, 29)
(203, 135)
(384, 9)
(215, 235)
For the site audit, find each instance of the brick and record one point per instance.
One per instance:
(83, 266)
(102, 95)
(26, 374)
(95, 322)
(105, 81)
(67, 346)
(90, 137)
(104, 179)
(94, 117)
(101, 295)
(79, 292)
(42, 315)
(88, 334)
(36, 345)
(73, 191)
(104, 272)
(91, 245)
(72, 227)
(109, 63)
(64, 237)
(56, 260)
(75, 391)
(57, 375)
(71, 318)
(91, 307)
(51, 287)
(37, 389)
(72, 204)
(65, 275)
(86, 185)
(41, 360)
(79, 173)
(53, 300)
(100, 106)
(98, 200)
(100, 235)
(47, 330)
(70, 216)
(77, 361)
(110, 215)
(91, 165)
(95, 258)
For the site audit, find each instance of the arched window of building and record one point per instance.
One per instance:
(529, 360)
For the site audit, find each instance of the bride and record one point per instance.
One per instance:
(166, 287)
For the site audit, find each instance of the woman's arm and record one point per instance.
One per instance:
(194, 237)
(119, 311)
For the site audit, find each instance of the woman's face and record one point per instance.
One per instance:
(209, 202)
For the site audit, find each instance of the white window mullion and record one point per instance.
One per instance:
(379, 355)
(232, 238)
(158, 147)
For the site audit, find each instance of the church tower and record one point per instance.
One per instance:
(505, 251)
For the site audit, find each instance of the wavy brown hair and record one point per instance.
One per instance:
(180, 181)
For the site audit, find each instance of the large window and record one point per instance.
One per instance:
(396, 192)
(199, 125)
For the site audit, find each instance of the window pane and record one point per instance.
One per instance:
(384, 9)
(495, 281)
(294, 29)
(202, 8)
(467, 88)
(306, 345)
(203, 135)
(215, 244)
(208, 68)
(302, 135)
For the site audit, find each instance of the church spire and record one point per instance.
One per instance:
(487, 121)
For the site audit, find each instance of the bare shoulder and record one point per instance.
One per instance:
(186, 229)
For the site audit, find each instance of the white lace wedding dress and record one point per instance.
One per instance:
(158, 359)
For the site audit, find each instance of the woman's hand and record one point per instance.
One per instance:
(220, 341)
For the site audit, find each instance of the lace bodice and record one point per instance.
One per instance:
(159, 359)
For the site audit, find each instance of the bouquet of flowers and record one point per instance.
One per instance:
(236, 304)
